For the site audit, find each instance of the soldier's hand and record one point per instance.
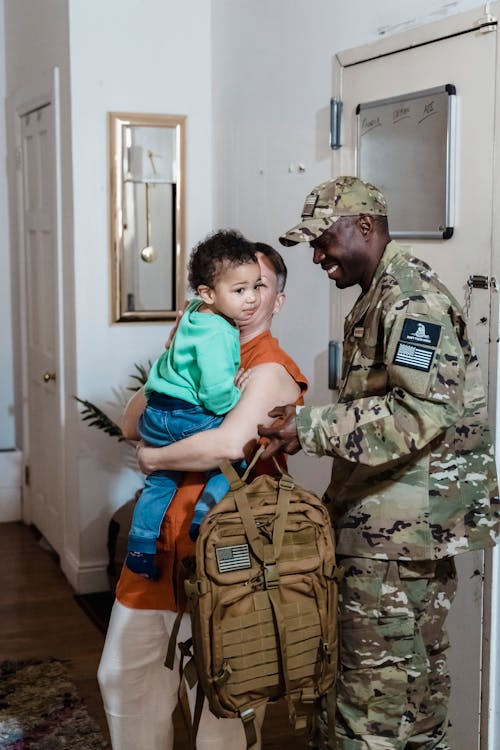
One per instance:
(282, 433)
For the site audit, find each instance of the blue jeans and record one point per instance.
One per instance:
(164, 421)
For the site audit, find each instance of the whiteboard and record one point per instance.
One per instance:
(406, 147)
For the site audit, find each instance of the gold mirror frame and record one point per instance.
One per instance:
(122, 126)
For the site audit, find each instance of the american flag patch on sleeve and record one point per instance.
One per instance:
(417, 344)
(234, 557)
(416, 357)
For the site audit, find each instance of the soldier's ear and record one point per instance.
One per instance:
(365, 224)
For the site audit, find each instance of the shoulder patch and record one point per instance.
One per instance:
(420, 332)
(416, 357)
(417, 344)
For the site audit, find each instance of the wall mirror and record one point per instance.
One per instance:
(147, 215)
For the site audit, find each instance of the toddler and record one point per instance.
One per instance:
(191, 386)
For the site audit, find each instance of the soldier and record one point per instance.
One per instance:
(413, 479)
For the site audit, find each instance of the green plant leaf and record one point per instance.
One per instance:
(97, 418)
(141, 375)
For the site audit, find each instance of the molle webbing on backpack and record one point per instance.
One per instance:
(264, 599)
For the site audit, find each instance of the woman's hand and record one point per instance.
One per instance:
(145, 457)
(168, 342)
(242, 378)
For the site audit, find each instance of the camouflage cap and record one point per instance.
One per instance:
(326, 203)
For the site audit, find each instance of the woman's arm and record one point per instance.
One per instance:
(270, 385)
(133, 411)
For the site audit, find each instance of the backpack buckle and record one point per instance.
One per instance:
(247, 715)
(271, 576)
(286, 483)
(223, 675)
(193, 588)
(308, 695)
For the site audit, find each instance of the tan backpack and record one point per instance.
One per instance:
(264, 599)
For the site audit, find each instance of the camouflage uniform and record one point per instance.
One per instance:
(413, 484)
(413, 475)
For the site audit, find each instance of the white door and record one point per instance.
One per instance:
(38, 166)
(468, 61)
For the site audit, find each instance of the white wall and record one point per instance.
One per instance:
(132, 56)
(254, 78)
(272, 72)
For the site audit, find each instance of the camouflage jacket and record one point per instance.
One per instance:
(414, 472)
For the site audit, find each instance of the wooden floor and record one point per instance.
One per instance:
(40, 618)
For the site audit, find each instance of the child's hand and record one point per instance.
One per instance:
(171, 335)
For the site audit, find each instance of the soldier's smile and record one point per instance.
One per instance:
(331, 269)
(344, 255)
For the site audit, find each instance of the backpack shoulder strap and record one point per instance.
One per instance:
(238, 485)
(232, 475)
(172, 641)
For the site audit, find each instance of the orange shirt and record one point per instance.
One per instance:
(174, 543)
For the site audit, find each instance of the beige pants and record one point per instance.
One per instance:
(140, 694)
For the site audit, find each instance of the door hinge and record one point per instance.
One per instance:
(476, 281)
(27, 476)
(335, 122)
(486, 23)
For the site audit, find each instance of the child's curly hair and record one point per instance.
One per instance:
(219, 251)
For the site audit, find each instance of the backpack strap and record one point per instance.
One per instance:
(186, 714)
(192, 724)
(266, 553)
(232, 475)
(237, 485)
(172, 641)
(275, 599)
(285, 487)
(248, 521)
(247, 716)
(187, 674)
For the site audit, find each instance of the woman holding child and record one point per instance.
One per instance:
(139, 693)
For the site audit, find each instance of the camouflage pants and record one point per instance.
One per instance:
(393, 688)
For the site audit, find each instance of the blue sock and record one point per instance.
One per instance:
(143, 563)
(215, 489)
(205, 503)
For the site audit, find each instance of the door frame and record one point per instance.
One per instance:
(41, 91)
(341, 164)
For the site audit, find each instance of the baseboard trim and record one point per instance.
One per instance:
(11, 469)
(85, 578)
